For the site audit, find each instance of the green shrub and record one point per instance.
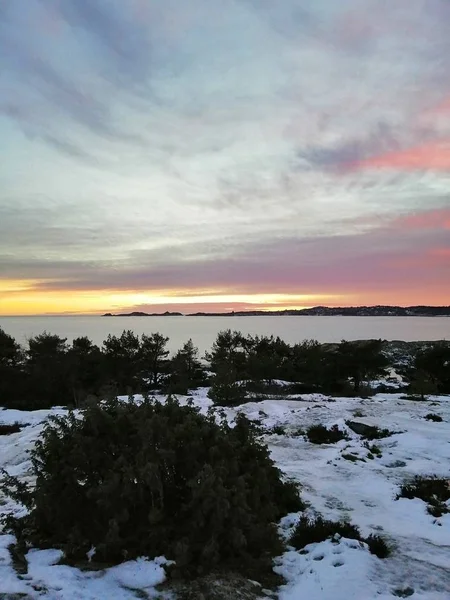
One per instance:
(276, 430)
(319, 434)
(433, 490)
(433, 417)
(154, 479)
(377, 546)
(311, 531)
(224, 392)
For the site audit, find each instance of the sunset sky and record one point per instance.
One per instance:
(223, 154)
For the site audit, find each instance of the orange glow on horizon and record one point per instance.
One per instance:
(21, 298)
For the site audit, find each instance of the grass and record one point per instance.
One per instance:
(373, 449)
(433, 490)
(319, 434)
(310, 531)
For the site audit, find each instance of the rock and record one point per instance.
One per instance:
(361, 428)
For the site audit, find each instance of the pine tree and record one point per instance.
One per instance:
(153, 357)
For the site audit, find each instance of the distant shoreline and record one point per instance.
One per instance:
(318, 311)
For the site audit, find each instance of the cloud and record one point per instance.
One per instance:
(395, 254)
(162, 143)
(432, 156)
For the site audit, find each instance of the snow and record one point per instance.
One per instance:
(363, 492)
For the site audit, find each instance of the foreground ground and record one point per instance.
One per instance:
(339, 481)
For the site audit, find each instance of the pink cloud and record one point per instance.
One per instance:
(442, 107)
(430, 156)
(424, 220)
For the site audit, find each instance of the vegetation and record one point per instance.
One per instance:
(433, 417)
(153, 479)
(373, 449)
(433, 490)
(49, 371)
(9, 429)
(311, 531)
(369, 432)
(428, 372)
(319, 434)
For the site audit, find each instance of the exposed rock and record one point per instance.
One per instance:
(361, 428)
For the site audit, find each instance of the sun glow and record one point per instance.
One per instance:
(23, 298)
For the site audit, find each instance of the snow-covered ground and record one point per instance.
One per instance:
(362, 491)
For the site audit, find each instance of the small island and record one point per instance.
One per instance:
(143, 314)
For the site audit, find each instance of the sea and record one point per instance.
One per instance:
(203, 330)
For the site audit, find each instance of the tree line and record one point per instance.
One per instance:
(49, 371)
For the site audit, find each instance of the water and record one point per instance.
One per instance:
(203, 330)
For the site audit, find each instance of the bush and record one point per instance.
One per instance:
(433, 417)
(311, 531)
(9, 429)
(153, 479)
(319, 434)
(224, 393)
(377, 546)
(432, 490)
(373, 449)
(276, 430)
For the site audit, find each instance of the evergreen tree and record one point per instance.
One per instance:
(122, 361)
(11, 371)
(267, 358)
(360, 361)
(86, 364)
(228, 352)
(186, 370)
(153, 357)
(422, 384)
(228, 360)
(435, 363)
(48, 369)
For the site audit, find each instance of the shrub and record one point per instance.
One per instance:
(225, 391)
(353, 457)
(9, 429)
(319, 434)
(377, 546)
(311, 531)
(276, 430)
(149, 479)
(432, 490)
(373, 449)
(433, 417)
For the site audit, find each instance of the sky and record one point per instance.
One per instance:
(223, 154)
